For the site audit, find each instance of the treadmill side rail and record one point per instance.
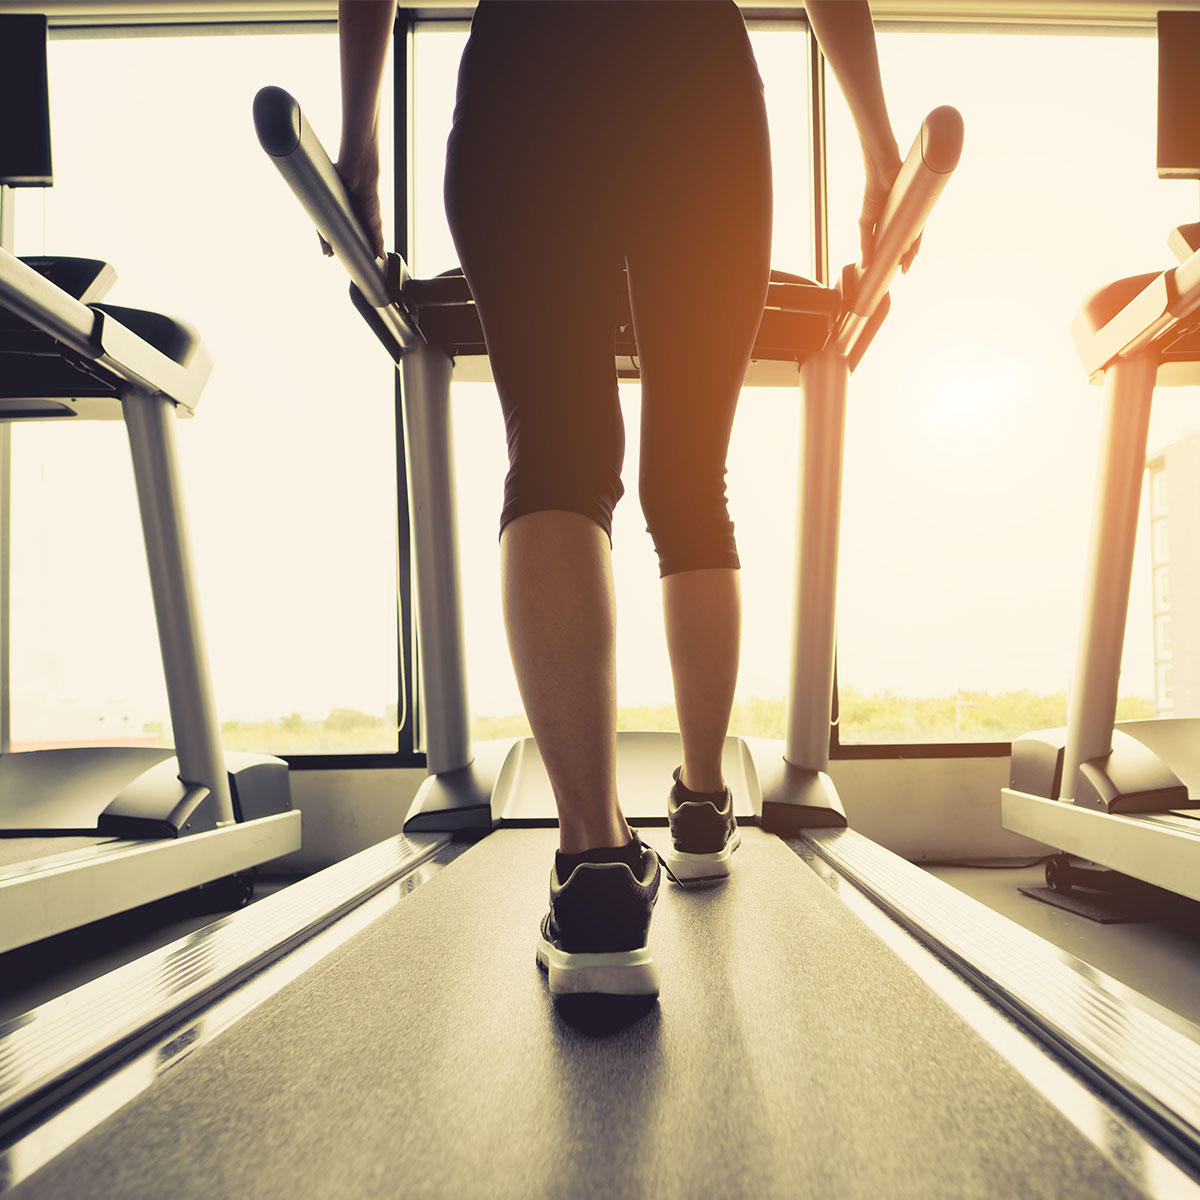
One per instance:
(1157, 848)
(40, 900)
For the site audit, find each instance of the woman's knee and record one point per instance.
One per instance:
(590, 495)
(689, 522)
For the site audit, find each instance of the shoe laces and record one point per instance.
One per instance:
(686, 885)
(663, 863)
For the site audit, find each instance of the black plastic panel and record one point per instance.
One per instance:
(1178, 95)
(25, 159)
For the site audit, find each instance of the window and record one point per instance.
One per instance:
(762, 460)
(289, 466)
(972, 433)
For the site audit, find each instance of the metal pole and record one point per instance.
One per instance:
(818, 161)
(429, 452)
(824, 378)
(150, 421)
(7, 207)
(1129, 391)
(404, 109)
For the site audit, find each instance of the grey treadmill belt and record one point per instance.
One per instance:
(792, 1054)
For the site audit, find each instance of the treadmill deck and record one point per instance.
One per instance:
(792, 1053)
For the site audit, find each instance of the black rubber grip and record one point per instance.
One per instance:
(942, 139)
(277, 120)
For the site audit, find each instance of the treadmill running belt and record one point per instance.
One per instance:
(792, 1054)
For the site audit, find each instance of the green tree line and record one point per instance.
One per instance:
(871, 717)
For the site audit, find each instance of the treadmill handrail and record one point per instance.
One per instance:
(297, 152)
(923, 176)
(1156, 310)
(99, 337)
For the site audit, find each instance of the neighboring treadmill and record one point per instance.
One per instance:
(431, 329)
(1126, 796)
(89, 832)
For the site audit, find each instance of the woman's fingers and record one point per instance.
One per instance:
(364, 201)
(907, 260)
(875, 195)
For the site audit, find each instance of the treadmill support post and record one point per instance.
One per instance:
(150, 421)
(429, 453)
(1129, 392)
(824, 379)
(796, 792)
(8, 198)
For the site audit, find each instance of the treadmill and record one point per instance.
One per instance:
(89, 832)
(1122, 801)
(432, 331)
(381, 1027)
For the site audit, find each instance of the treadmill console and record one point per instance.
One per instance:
(1178, 95)
(86, 279)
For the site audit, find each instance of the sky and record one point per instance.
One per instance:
(971, 435)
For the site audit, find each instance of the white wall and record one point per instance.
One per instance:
(928, 810)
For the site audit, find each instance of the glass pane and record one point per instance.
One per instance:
(1162, 637)
(762, 460)
(1159, 544)
(972, 433)
(289, 467)
(1158, 492)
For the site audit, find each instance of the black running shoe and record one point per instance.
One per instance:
(704, 833)
(594, 936)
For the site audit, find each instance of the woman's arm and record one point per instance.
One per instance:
(846, 34)
(364, 27)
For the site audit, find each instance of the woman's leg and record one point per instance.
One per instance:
(697, 288)
(531, 215)
(560, 614)
(702, 612)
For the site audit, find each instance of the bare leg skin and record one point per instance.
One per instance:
(560, 615)
(702, 611)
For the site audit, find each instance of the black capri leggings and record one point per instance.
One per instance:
(589, 139)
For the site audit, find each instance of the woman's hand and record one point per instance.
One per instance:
(361, 178)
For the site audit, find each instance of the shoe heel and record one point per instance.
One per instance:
(639, 979)
(691, 868)
(621, 973)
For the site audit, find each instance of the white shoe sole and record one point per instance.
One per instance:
(693, 867)
(620, 973)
